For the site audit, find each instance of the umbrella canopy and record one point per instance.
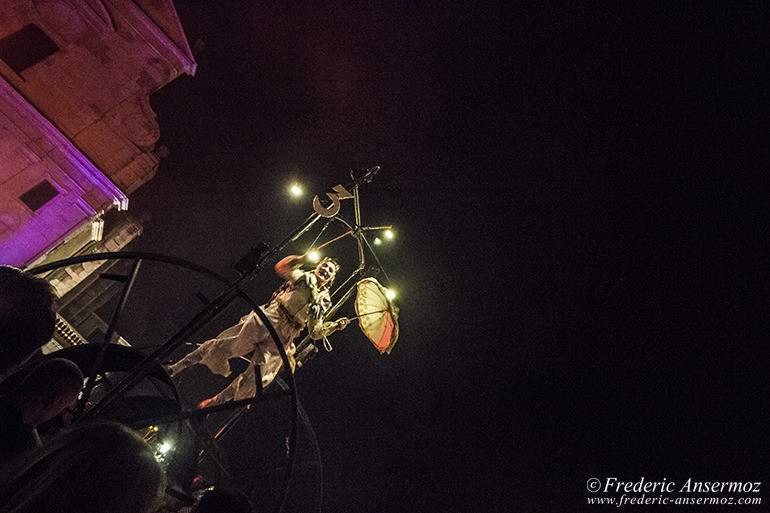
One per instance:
(377, 315)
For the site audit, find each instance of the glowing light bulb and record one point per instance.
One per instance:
(377, 241)
(389, 234)
(313, 256)
(390, 293)
(164, 447)
(295, 190)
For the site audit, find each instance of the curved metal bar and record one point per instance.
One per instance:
(345, 222)
(208, 314)
(126, 255)
(316, 449)
(294, 400)
(371, 250)
(355, 231)
(143, 367)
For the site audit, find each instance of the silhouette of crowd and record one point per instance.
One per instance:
(93, 466)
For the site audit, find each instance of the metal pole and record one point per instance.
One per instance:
(107, 338)
(307, 340)
(202, 412)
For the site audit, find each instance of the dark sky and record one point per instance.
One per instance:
(576, 193)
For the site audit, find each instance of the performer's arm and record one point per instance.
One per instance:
(289, 267)
(318, 329)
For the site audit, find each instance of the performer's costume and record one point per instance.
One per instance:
(297, 303)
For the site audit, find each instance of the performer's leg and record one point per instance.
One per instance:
(192, 358)
(223, 396)
(245, 385)
(268, 359)
(242, 387)
(215, 353)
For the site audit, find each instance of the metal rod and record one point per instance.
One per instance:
(357, 206)
(353, 231)
(342, 285)
(364, 315)
(91, 380)
(357, 231)
(294, 404)
(210, 446)
(335, 239)
(307, 340)
(375, 258)
(326, 225)
(202, 412)
(230, 422)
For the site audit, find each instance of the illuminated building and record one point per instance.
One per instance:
(77, 134)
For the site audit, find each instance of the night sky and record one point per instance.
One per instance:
(576, 194)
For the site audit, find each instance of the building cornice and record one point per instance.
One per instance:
(52, 134)
(133, 15)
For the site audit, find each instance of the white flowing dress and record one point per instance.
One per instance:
(289, 312)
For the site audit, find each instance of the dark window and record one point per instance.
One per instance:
(26, 47)
(39, 195)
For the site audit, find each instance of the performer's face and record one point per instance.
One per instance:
(324, 272)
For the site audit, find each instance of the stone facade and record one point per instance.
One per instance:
(77, 133)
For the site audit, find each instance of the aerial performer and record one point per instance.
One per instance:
(302, 301)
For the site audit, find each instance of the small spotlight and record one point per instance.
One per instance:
(164, 447)
(295, 190)
(390, 293)
(313, 256)
(377, 241)
(389, 234)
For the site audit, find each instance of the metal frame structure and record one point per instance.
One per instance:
(206, 315)
(150, 362)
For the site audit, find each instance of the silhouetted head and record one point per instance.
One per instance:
(51, 387)
(99, 467)
(27, 316)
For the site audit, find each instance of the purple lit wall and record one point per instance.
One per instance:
(77, 131)
(33, 151)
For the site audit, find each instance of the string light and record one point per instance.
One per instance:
(295, 190)
(390, 293)
(389, 234)
(377, 241)
(313, 256)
